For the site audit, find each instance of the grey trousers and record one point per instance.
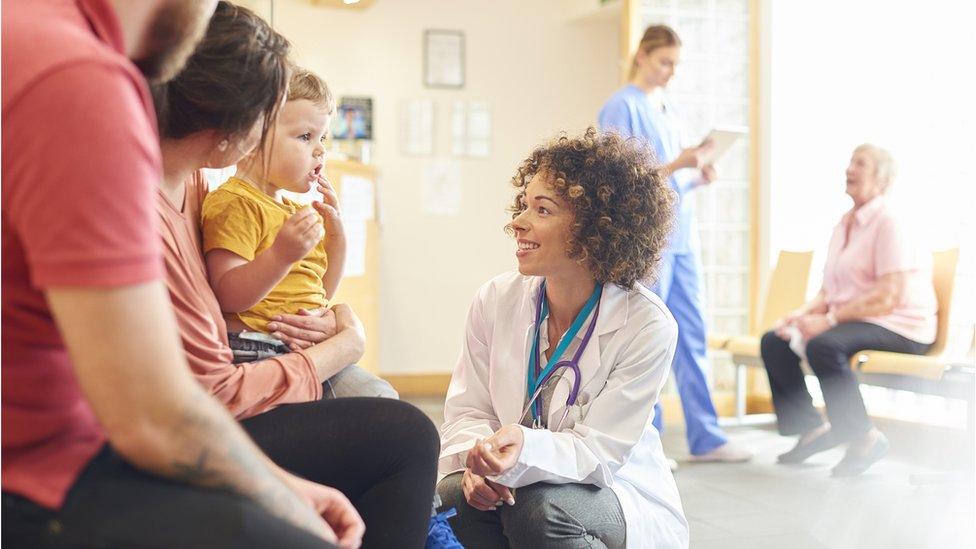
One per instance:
(544, 515)
(353, 381)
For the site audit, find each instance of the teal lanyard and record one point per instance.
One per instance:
(535, 380)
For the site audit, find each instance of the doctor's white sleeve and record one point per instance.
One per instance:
(598, 445)
(468, 412)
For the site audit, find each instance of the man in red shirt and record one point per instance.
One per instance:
(107, 438)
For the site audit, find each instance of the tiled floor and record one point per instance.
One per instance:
(761, 505)
(764, 505)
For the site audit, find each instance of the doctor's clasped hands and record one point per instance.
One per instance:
(491, 457)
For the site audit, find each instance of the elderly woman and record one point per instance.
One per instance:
(877, 294)
(548, 437)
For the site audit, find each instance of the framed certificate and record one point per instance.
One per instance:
(444, 59)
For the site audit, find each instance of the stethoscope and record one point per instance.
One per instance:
(537, 380)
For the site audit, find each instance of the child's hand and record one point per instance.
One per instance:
(299, 234)
(328, 208)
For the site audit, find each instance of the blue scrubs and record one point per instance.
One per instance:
(630, 113)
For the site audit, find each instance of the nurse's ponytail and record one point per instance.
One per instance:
(655, 36)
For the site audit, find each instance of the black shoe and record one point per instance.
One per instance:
(801, 452)
(853, 465)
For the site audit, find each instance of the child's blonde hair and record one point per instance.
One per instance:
(305, 84)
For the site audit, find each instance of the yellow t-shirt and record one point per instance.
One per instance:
(241, 219)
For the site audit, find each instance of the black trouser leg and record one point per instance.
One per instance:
(795, 414)
(115, 505)
(829, 355)
(381, 453)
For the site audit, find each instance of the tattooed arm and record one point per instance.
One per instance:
(129, 363)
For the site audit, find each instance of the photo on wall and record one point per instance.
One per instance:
(354, 119)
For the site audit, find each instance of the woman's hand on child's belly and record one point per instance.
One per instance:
(305, 329)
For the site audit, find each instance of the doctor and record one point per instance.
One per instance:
(641, 109)
(548, 438)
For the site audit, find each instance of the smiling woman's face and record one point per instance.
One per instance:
(542, 231)
(862, 178)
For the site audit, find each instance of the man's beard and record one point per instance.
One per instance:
(173, 35)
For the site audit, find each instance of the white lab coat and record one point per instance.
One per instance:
(607, 439)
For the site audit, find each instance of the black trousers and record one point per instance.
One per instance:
(829, 357)
(380, 452)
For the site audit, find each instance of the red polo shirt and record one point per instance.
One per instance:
(80, 166)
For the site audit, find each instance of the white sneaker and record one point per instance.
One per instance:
(726, 453)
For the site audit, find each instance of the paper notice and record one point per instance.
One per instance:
(442, 188)
(356, 198)
(417, 127)
(479, 129)
(355, 247)
(471, 129)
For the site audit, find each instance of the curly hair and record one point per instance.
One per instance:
(623, 206)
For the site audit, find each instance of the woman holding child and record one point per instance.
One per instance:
(548, 437)
(211, 117)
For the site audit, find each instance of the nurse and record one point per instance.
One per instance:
(641, 109)
(547, 439)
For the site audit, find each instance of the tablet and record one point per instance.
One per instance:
(722, 141)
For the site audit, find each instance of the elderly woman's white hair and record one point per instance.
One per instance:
(884, 164)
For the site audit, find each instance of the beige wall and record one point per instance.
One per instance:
(540, 72)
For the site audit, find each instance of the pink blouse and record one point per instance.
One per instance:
(875, 247)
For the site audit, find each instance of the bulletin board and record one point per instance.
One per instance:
(360, 286)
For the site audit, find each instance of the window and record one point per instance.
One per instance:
(711, 87)
(865, 82)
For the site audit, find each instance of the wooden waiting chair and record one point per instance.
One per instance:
(787, 291)
(933, 373)
(958, 381)
(930, 366)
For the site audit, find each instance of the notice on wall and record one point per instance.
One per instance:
(355, 247)
(471, 129)
(417, 127)
(442, 188)
(357, 198)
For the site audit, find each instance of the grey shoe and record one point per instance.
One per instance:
(853, 465)
(801, 452)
